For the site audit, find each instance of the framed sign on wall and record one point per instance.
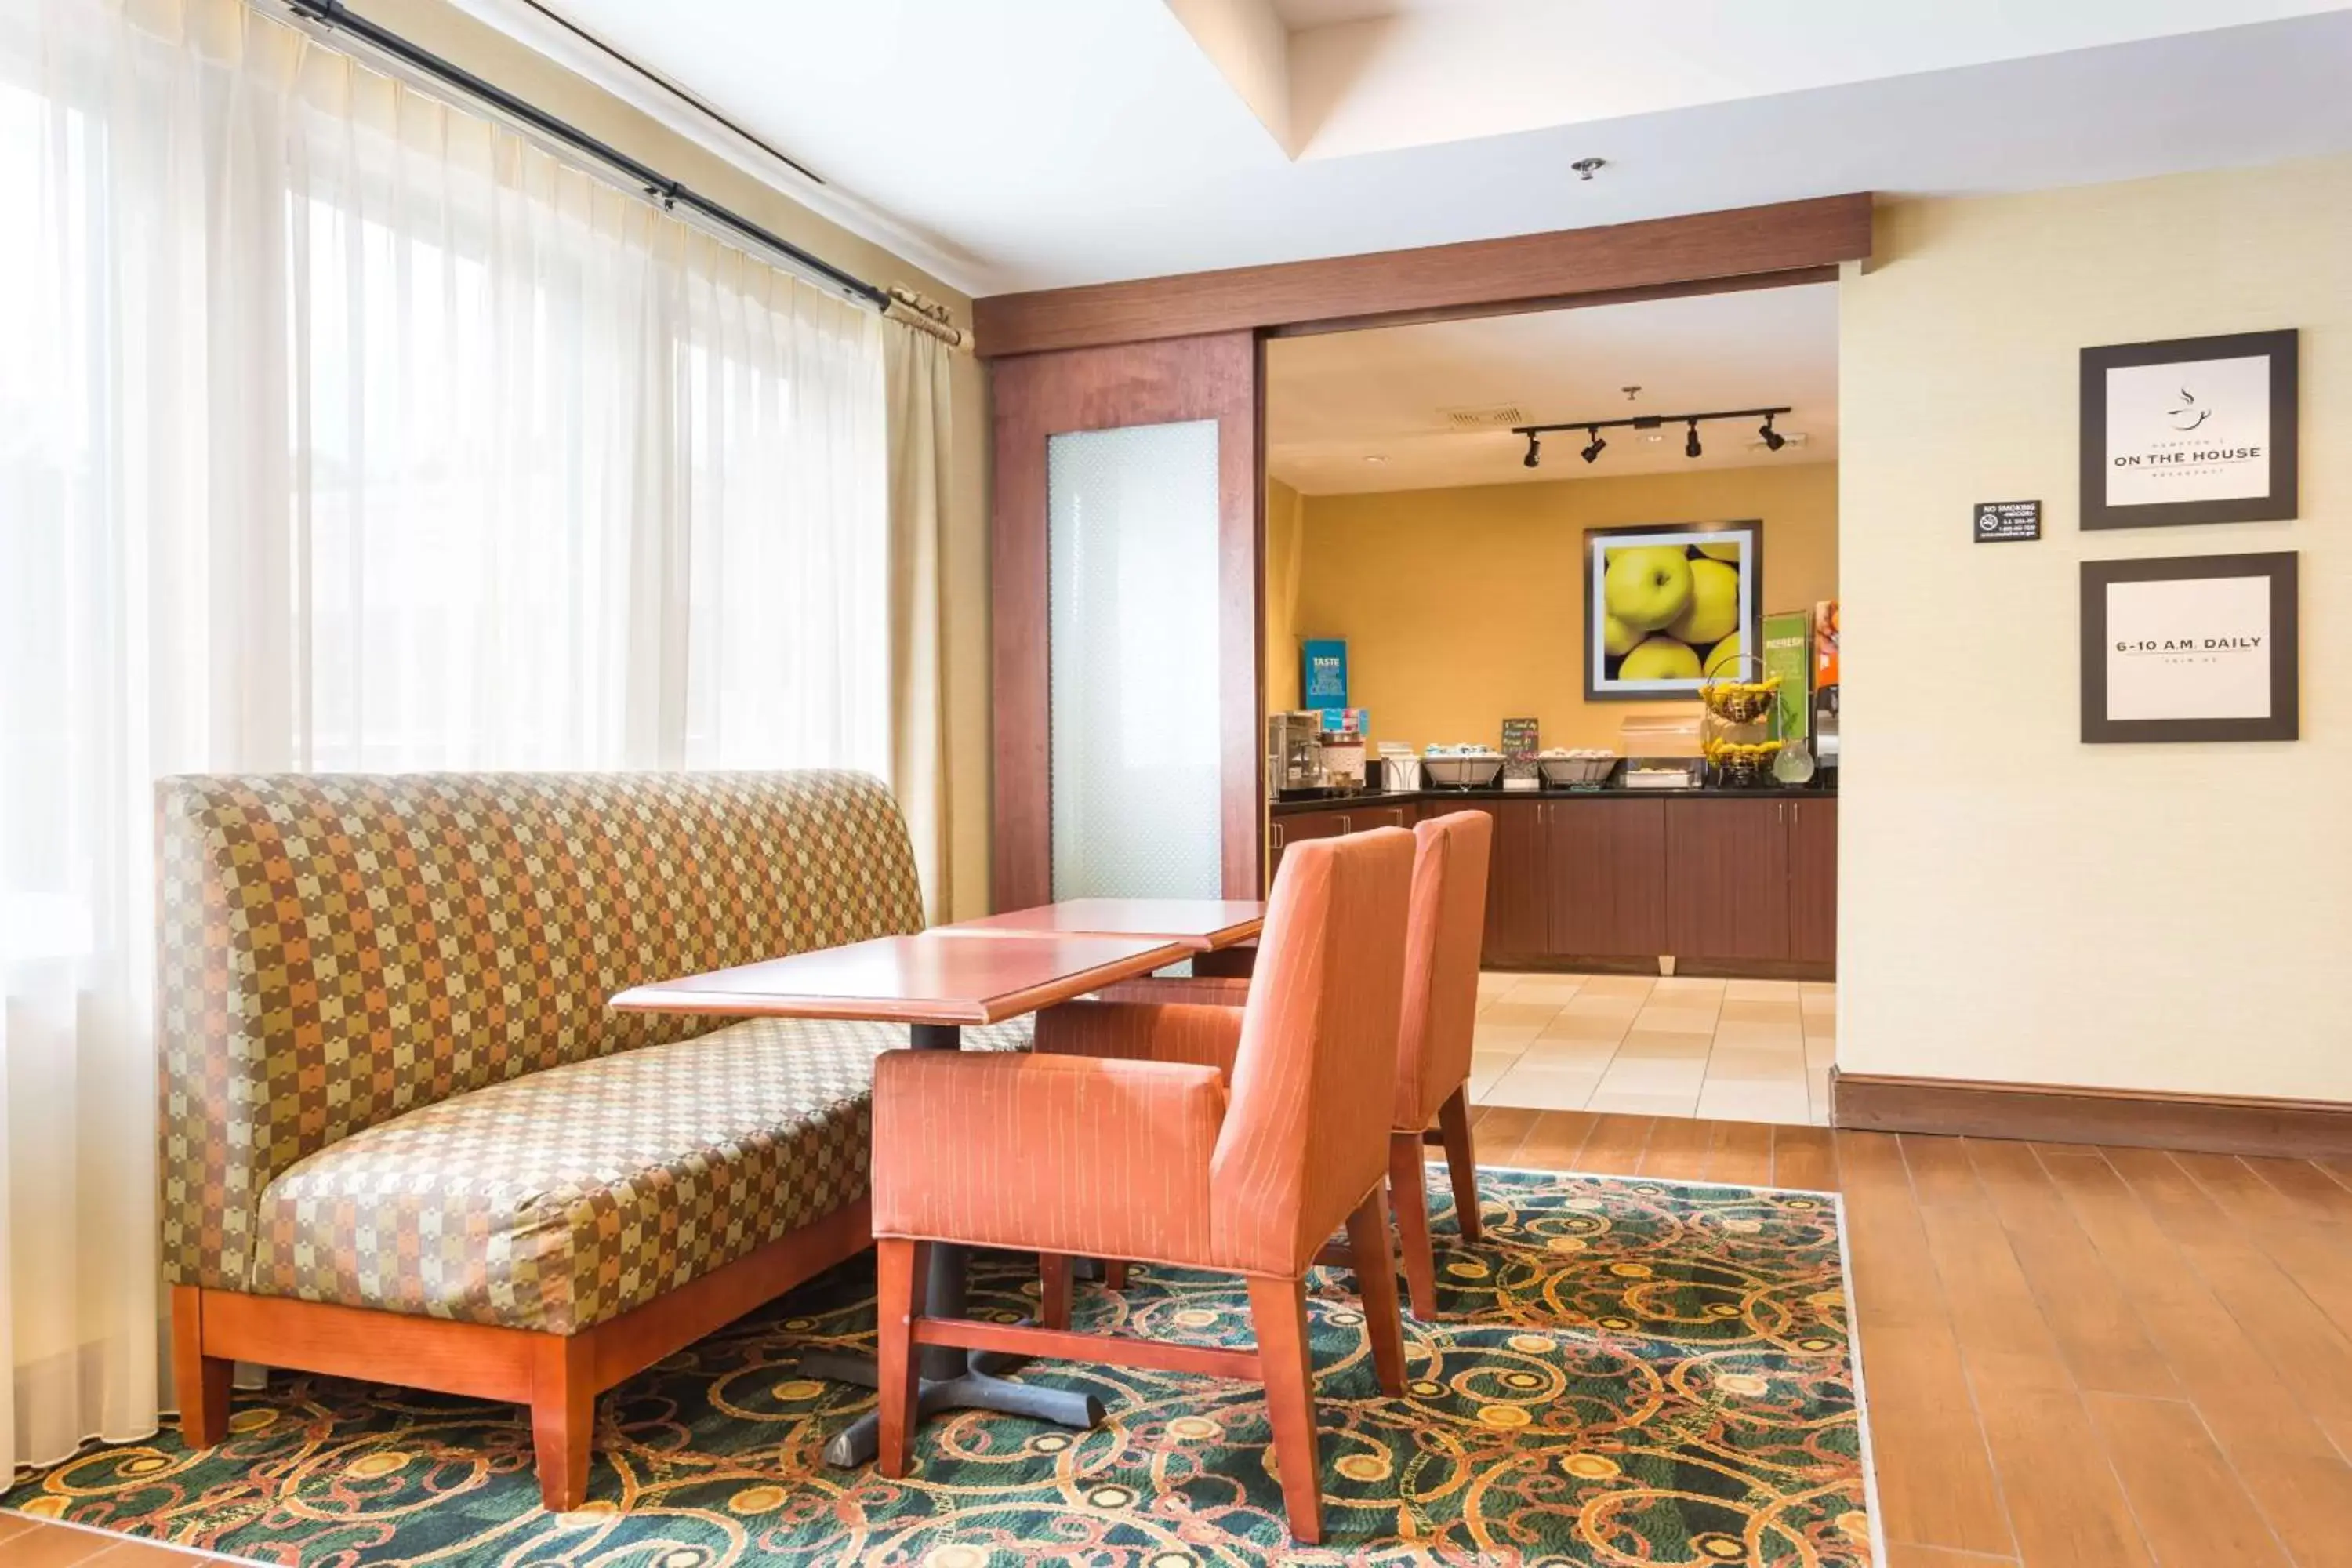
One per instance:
(2194, 648)
(1666, 606)
(2193, 430)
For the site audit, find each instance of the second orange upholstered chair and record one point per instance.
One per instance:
(1172, 1160)
(1440, 1010)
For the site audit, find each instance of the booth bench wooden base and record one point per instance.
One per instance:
(557, 1375)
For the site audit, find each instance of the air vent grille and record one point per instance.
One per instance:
(1495, 417)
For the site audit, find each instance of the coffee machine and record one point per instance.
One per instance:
(1825, 737)
(1293, 755)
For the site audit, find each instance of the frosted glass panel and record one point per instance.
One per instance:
(1132, 601)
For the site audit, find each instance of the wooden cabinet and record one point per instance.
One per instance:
(1519, 889)
(1727, 884)
(1296, 827)
(1813, 880)
(1288, 827)
(1605, 864)
(1728, 878)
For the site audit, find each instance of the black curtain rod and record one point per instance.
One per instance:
(335, 14)
(1651, 421)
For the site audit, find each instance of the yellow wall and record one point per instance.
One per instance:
(449, 32)
(2015, 904)
(1284, 537)
(1464, 608)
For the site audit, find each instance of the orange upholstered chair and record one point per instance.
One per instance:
(1446, 930)
(1091, 1155)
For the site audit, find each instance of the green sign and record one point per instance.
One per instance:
(1789, 654)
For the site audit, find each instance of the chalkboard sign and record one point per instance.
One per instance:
(1520, 740)
(1998, 521)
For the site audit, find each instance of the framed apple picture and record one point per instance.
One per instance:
(1667, 604)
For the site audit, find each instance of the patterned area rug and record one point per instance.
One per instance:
(1629, 1371)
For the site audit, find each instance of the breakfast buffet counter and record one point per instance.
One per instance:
(1724, 881)
(1379, 797)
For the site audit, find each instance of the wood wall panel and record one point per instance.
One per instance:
(2065, 1113)
(1530, 271)
(1039, 396)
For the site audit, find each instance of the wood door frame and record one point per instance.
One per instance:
(1068, 359)
(1218, 377)
(1784, 242)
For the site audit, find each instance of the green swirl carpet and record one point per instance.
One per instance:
(1628, 1372)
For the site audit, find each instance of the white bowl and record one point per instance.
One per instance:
(1461, 773)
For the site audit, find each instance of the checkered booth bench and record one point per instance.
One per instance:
(405, 1139)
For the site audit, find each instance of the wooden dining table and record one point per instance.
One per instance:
(1204, 925)
(936, 982)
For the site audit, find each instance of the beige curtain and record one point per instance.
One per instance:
(341, 427)
(921, 435)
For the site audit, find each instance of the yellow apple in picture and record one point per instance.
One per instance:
(1727, 551)
(1617, 637)
(1660, 658)
(1713, 612)
(1723, 658)
(1646, 585)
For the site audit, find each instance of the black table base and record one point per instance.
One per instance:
(953, 1378)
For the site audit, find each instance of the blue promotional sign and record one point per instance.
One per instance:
(1323, 673)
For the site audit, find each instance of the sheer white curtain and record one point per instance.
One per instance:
(340, 429)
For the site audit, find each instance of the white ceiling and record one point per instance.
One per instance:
(1027, 143)
(1299, 15)
(1333, 401)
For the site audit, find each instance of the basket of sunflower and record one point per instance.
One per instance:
(1740, 764)
(1741, 700)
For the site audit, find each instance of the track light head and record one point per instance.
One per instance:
(1774, 439)
(1533, 451)
(1593, 448)
(1690, 444)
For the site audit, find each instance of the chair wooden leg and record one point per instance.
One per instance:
(562, 1417)
(1054, 1290)
(1409, 1195)
(199, 1382)
(1114, 1273)
(898, 1302)
(1278, 1311)
(1368, 1239)
(1461, 1159)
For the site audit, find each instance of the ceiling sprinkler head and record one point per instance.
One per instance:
(1587, 167)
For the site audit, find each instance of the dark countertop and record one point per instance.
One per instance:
(1374, 797)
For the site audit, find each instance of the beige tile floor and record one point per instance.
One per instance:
(1733, 1050)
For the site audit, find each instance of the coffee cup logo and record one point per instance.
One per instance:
(2187, 416)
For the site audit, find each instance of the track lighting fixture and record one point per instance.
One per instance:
(1648, 425)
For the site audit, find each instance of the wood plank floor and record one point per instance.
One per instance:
(2073, 1357)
